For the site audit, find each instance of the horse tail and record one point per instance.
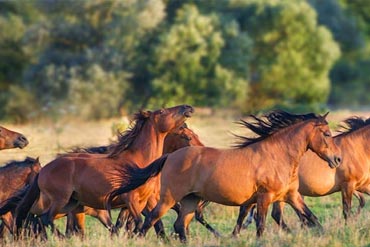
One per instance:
(135, 177)
(25, 205)
(12, 202)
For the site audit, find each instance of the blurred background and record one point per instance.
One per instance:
(98, 59)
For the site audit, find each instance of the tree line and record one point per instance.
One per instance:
(93, 58)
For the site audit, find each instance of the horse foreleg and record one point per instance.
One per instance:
(263, 202)
(347, 192)
(277, 215)
(243, 211)
(187, 210)
(7, 224)
(158, 226)
(123, 216)
(165, 203)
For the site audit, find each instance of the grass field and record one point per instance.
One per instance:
(49, 138)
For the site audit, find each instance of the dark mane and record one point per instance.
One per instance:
(351, 124)
(126, 138)
(269, 124)
(16, 163)
(91, 150)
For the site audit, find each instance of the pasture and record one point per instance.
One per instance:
(46, 139)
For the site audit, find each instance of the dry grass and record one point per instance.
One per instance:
(48, 138)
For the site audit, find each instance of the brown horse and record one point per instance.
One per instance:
(14, 176)
(260, 170)
(316, 179)
(11, 139)
(181, 137)
(69, 181)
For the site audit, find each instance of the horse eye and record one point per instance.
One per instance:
(327, 134)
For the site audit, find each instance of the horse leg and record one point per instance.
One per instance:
(158, 226)
(252, 216)
(263, 202)
(187, 210)
(7, 224)
(79, 223)
(199, 217)
(243, 211)
(2, 230)
(123, 216)
(165, 203)
(347, 192)
(304, 213)
(361, 200)
(277, 215)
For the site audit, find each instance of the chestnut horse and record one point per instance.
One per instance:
(181, 137)
(11, 139)
(67, 181)
(260, 170)
(316, 179)
(14, 176)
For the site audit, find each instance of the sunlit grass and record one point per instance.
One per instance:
(47, 139)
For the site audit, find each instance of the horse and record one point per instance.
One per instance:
(15, 175)
(261, 169)
(11, 139)
(67, 181)
(175, 140)
(316, 179)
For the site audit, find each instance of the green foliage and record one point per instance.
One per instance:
(187, 67)
(292, 54)
(250, 55)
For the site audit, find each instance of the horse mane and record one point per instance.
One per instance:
(268, 124)
(127, 138)
(351, 124)
(90, 150)
(16, 163)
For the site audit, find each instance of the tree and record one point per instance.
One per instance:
(187, 66)
(292, 54)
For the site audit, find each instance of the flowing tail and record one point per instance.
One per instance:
(12, 202)
(135, 177)
(25, 205)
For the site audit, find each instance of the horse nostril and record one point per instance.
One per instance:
(337, 160)
(23, 139)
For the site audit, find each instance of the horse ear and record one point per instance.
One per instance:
(145, 114)
(325, 115)
(37, 160)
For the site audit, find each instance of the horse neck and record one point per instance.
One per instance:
(355, 140)
(292, 139)
(147, 146)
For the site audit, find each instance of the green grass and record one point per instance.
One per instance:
(45, 142)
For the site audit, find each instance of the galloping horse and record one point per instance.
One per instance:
(316, 179)
(11, 139)
(67, 182)
(14, 176)
(260, 170)
(181, 137)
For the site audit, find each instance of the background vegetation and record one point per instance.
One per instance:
(95, 58)
(46, 140)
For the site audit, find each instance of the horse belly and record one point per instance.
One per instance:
(232, 191)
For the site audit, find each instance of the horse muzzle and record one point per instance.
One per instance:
(21, 142)
(187, 110)
(335, 162)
